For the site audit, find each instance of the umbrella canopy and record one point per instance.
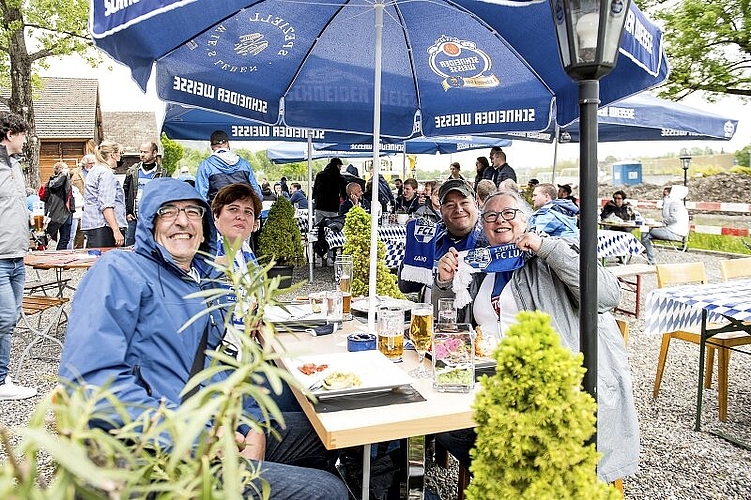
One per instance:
(424, 145)
(291, 152)
(448, 67)
(647, 118)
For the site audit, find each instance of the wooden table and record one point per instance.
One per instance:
(440, 412)
(61, 261)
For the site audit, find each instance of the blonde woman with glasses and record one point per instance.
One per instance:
(104, 217)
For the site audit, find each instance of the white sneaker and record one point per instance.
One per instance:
(11, 391)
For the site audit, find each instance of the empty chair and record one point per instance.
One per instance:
(735, 268)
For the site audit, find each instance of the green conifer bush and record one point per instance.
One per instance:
(280, 238)
(533, 420)
(357, 235)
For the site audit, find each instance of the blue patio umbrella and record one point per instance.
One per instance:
(291, 152)
(647, 118)
(447, 67)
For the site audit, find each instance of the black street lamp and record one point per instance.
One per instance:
(589, 34)
(685, 163)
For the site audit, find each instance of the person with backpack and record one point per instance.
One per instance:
(59, 205)
(222, 168)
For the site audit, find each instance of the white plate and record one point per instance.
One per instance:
(376, 372)
(296, 317)
(361, 305)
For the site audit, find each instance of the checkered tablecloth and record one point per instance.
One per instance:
(394, 236)
(617, 244)
(680, 307)
(301, 217)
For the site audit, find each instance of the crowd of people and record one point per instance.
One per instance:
(130, 305)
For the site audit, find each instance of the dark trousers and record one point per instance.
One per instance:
(101, 237)
(64, 233)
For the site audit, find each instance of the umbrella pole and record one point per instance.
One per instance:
(311, 256)
(379, 6)
(555, 153)
(589, 99)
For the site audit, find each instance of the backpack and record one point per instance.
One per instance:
(43, 192)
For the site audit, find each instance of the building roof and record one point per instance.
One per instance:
(130, 128)
(66, 108)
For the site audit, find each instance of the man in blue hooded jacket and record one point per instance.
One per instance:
(222, 168)
(124, 324)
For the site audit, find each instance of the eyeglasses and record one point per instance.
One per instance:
(234, 211)
(507, 214)
(169, 212)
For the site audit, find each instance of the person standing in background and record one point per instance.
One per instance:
(78, 180)
(14, 243)
(60, 205)
(77, 214)
(455, 171)
(481, 165)
(499, 171)
(329, 190)
(223, 167)
(104, 200)
(136, 179)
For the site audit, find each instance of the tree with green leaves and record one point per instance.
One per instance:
(30, 31)
(173, 153)
(708, 43)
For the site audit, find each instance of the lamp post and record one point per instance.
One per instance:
(685, 163)
(589, 34)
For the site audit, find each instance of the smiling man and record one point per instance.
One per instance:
(125, 331)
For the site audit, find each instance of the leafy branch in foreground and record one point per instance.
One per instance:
(167, 452)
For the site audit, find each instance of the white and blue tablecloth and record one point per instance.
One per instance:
(394, 236)
(680, 307)
(617, 244)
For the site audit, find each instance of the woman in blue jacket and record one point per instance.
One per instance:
(124, 324)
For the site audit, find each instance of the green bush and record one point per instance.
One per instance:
(280, 240)
(533, 420)
(357, 236)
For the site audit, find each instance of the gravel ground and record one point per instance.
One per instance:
(676, 461)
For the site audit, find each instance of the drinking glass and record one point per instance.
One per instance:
(334, 305)
(446, 312)
(421, 333)
(391, 332)
(343, 273)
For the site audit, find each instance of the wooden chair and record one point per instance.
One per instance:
(39, 331)
(688, 273)
(735, 268)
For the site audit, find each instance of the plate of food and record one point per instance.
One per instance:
(338, 374)
(360, 306)
(294, 317)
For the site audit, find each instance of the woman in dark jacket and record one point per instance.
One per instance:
(60, 205)
(481, 164)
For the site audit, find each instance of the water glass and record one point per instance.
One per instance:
(318, 303)
(391, 332)
(334, 305)
(446, 312)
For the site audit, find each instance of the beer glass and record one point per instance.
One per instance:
(391, 332)
(421, 335)
(343, 273)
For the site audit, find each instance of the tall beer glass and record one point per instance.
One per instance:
(421, 335)
(343, 273)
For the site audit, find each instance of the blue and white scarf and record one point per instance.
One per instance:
(419, 251)
(501, 258)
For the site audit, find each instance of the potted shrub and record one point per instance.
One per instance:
(357, 244)
(280, 241)
(533, 420)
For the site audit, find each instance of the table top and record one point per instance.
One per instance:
(680, 307)
(617, 244)
(62, 259)
(440, 412)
